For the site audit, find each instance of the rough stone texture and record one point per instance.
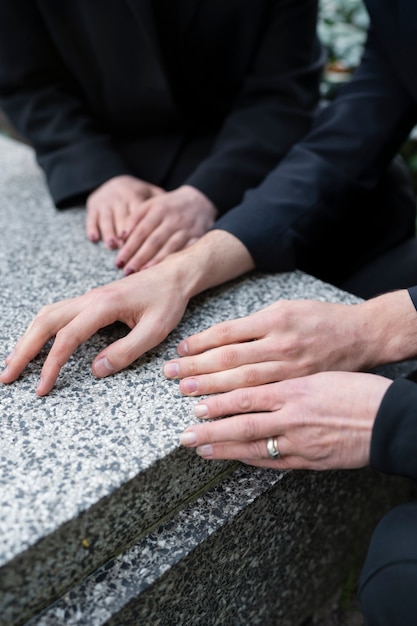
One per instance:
(270, 562)
(95, 466)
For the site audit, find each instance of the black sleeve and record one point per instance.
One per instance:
(394, 436)
(302, 203)
(44, 103)
(273, 110)
(413, 295)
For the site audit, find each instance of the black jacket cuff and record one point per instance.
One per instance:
(394, 436)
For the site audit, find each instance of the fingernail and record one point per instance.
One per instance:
(183, 348)
(129, 271)
(205, 451)
(123, 235)
(171, 370)
(120, 264)
(189, 385)
(188, 438)
(112, 243)
(201, 410)
(103, 367)
(93, 238)
(40, 383)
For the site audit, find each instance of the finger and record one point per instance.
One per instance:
(231, 331)
(262, 399)
(107, 228)
(133, 243)
(120, 219)
(232, 451)
(221, 359)
(247, 428)
(244, 376)
(91, 226)
(137, 211)
(67, 340)
(176, 242)
(43, 327)
(145, 335)
(156, 240)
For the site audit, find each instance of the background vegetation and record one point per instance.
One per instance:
(342, 28)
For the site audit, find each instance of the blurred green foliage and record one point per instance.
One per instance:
(342, 28)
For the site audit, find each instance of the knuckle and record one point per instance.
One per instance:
(251, 377)
(45, 310)
(229, 358)
(258, 449)
(244, 400)
(223, 332)
(156, 241)
(62, 339)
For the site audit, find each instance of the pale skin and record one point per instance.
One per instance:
(296, 338)
(146, 222)
(150, 303)
(320, 422)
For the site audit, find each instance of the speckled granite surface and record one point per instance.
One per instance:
(96, 464)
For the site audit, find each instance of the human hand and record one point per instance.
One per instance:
(110, 206)
(151, 304)
(164, 224)
(296, 338)
(318, 422)
(284, 340)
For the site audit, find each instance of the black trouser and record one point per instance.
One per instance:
(388, 584)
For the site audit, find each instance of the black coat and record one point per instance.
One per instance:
(394, 436)
(326, 208)
(211, 93)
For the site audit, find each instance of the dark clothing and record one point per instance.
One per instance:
(210, 93)
(395, 269)
(394, 436)
(317, 210)
(387, 588)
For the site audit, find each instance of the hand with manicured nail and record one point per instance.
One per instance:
(110, 207)
(162, 225)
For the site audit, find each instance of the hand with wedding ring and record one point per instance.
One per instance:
(317, 422)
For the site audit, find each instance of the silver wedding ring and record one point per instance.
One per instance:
(272, 448)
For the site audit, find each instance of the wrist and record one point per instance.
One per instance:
(215, 258)
(389, 328)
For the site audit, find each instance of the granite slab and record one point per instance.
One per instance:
(96, 464)
(259, 548)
